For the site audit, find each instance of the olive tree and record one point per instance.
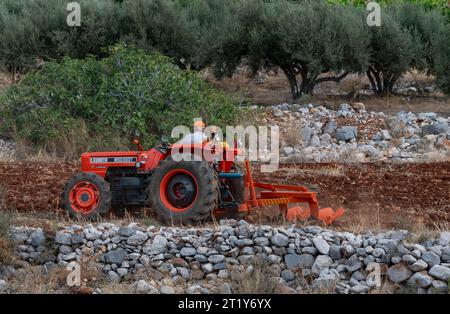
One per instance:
(431, 36)
(19, 42)
(410, 36)
(391, 53)
(314, 39)
(442, 62)
(159, 25)
(304, 39)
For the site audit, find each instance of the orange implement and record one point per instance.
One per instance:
(282, 195)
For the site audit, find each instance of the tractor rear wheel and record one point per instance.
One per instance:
(86, 196)
(184, 192)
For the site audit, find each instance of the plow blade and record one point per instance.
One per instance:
(282, 195)
(327, 215)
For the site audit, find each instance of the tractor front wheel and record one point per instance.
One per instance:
(184, 192)
(86, 196)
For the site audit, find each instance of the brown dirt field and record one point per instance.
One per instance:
(374, 195)
(377, 195)
(34, 186)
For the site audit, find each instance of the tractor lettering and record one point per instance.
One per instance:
(103, 160)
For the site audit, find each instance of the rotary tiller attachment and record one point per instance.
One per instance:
(283, 195)
(327, 214)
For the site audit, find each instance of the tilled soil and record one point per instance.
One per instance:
(379, 194)
(382, 195)
(34, 186)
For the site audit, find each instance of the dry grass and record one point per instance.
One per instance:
(386, 287)
(258, 281)
(90, 271)
(422, 233)
(331, 289)
(293, 135)
(337, 170)
(2, 198)
(67, 146)
(7, 156)
(6, 221)
(35, 280)
(115, 288)
(6, 252)
(418, 77)
(352, 84)
(39, 280)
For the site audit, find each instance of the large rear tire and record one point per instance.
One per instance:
(184, 192)
(86, 196)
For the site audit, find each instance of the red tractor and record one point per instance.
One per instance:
(183, 192)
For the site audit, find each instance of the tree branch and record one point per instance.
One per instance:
(331, 78)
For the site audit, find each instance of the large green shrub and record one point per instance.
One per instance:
(97, 102)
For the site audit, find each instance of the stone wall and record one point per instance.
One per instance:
(299, 258)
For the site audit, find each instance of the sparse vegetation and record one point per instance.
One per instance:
(6, 246)
(259, 280)
(36, 280)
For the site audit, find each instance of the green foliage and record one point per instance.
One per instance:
(104, 99)
(442, 6)
(392, 52)
(217, 22)
(101, 22)
(305, 38)
(31, 29)
(159, 25)
(409, 36)
(442, 62)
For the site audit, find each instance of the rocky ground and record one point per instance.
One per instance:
(312, 133)
(231, 257)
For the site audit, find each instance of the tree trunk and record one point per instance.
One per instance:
(307, 85)
(291, 76)
(336, 79)
(375, 81)
(389, 85)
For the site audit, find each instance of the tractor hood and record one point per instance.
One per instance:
(99, 162)
(110, 157)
